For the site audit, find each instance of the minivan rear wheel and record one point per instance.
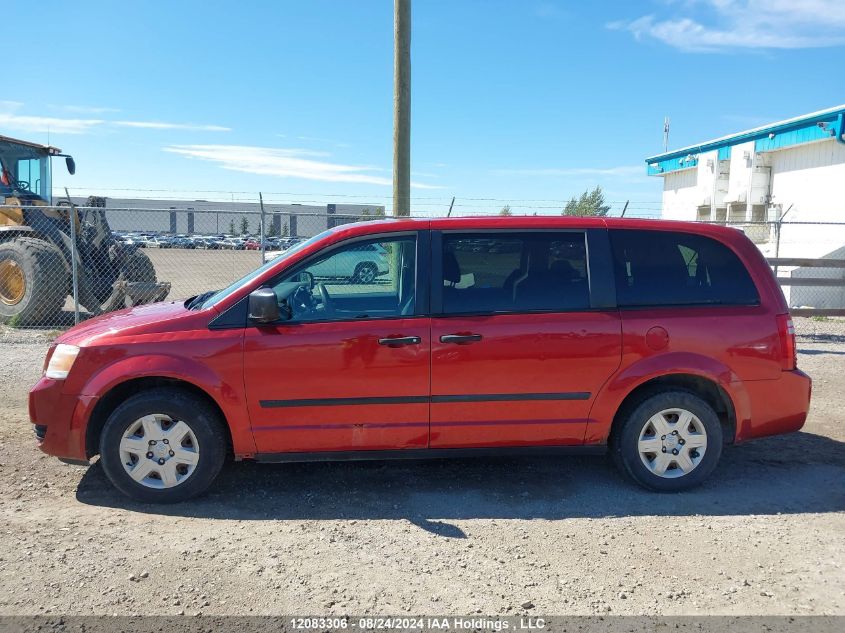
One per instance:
(671, 441)
(163, 446)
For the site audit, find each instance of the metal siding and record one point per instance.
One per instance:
(792, 137)
(809, 179)
(672, 164)
(680, 195)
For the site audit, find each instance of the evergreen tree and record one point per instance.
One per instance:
(589, 203)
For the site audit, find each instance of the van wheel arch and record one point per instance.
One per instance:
(706, 389)
(120, 392)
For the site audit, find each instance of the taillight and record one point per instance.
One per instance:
(786, 332)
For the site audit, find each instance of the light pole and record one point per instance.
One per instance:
(402, 107)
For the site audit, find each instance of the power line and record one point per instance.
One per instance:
(319, 197)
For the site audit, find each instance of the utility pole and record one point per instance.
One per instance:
(401, 107)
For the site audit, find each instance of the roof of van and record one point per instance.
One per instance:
(540, 222)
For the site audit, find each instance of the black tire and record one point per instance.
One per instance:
(365, 273)
(203, 421)
(625, 441)
(39, 265)
(140, 268)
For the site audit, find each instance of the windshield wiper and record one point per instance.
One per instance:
(196, 302)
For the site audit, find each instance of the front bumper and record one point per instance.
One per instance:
(59, 419)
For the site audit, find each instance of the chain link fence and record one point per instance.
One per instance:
(56, 270)
(62, 264)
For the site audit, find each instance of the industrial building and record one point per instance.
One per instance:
(216, 217)
(781, 183)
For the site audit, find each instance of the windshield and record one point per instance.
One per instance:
(218, 296)
(24, 169)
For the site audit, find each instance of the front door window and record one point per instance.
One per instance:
(362, 280)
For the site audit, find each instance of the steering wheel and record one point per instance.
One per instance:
(20, 185)
(328, 304)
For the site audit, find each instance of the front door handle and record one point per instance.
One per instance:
(398, 341)
(460, 339)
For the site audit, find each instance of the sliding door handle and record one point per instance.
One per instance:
(398, 341)
(460, 339)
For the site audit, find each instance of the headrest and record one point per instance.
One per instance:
(451, 268)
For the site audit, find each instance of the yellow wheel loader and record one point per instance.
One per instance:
(36, 247)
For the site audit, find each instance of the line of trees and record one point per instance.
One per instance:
(589, 203)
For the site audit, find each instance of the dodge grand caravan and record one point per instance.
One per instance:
(658, 342)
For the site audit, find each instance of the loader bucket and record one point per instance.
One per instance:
(134, 293)
(140, 292)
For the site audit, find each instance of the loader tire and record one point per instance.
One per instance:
(34, 281)
(140, 268)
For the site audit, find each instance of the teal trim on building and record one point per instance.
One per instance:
(687, 161)
(818, 126)
(792, 137)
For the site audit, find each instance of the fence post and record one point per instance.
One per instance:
(73, 269)
(261, 226)
(777, 236)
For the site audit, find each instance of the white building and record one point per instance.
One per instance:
(792, 170)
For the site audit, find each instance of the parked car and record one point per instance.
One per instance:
(231, 243)
(657, 342)
(206, 242)
(134, 240)
(157, 242)
(359, 265)
(183, 242)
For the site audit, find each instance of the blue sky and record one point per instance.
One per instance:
(526, 102)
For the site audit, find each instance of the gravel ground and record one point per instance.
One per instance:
(766, 534)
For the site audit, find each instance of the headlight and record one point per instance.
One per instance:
(61, 361)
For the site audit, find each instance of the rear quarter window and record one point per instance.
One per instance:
(655, 268)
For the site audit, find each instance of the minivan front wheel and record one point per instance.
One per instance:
(671, 441)
(163, 446)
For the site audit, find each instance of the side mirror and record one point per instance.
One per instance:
(71, 165)
(263, 307)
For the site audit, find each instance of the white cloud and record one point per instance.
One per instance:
(744, 24)
(159, 125)
(575, 172)
(83, 109)
(284, 162)
(10, 120)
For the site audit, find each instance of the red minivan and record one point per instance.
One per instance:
(656, 341)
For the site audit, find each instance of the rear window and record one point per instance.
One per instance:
(656, 268)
